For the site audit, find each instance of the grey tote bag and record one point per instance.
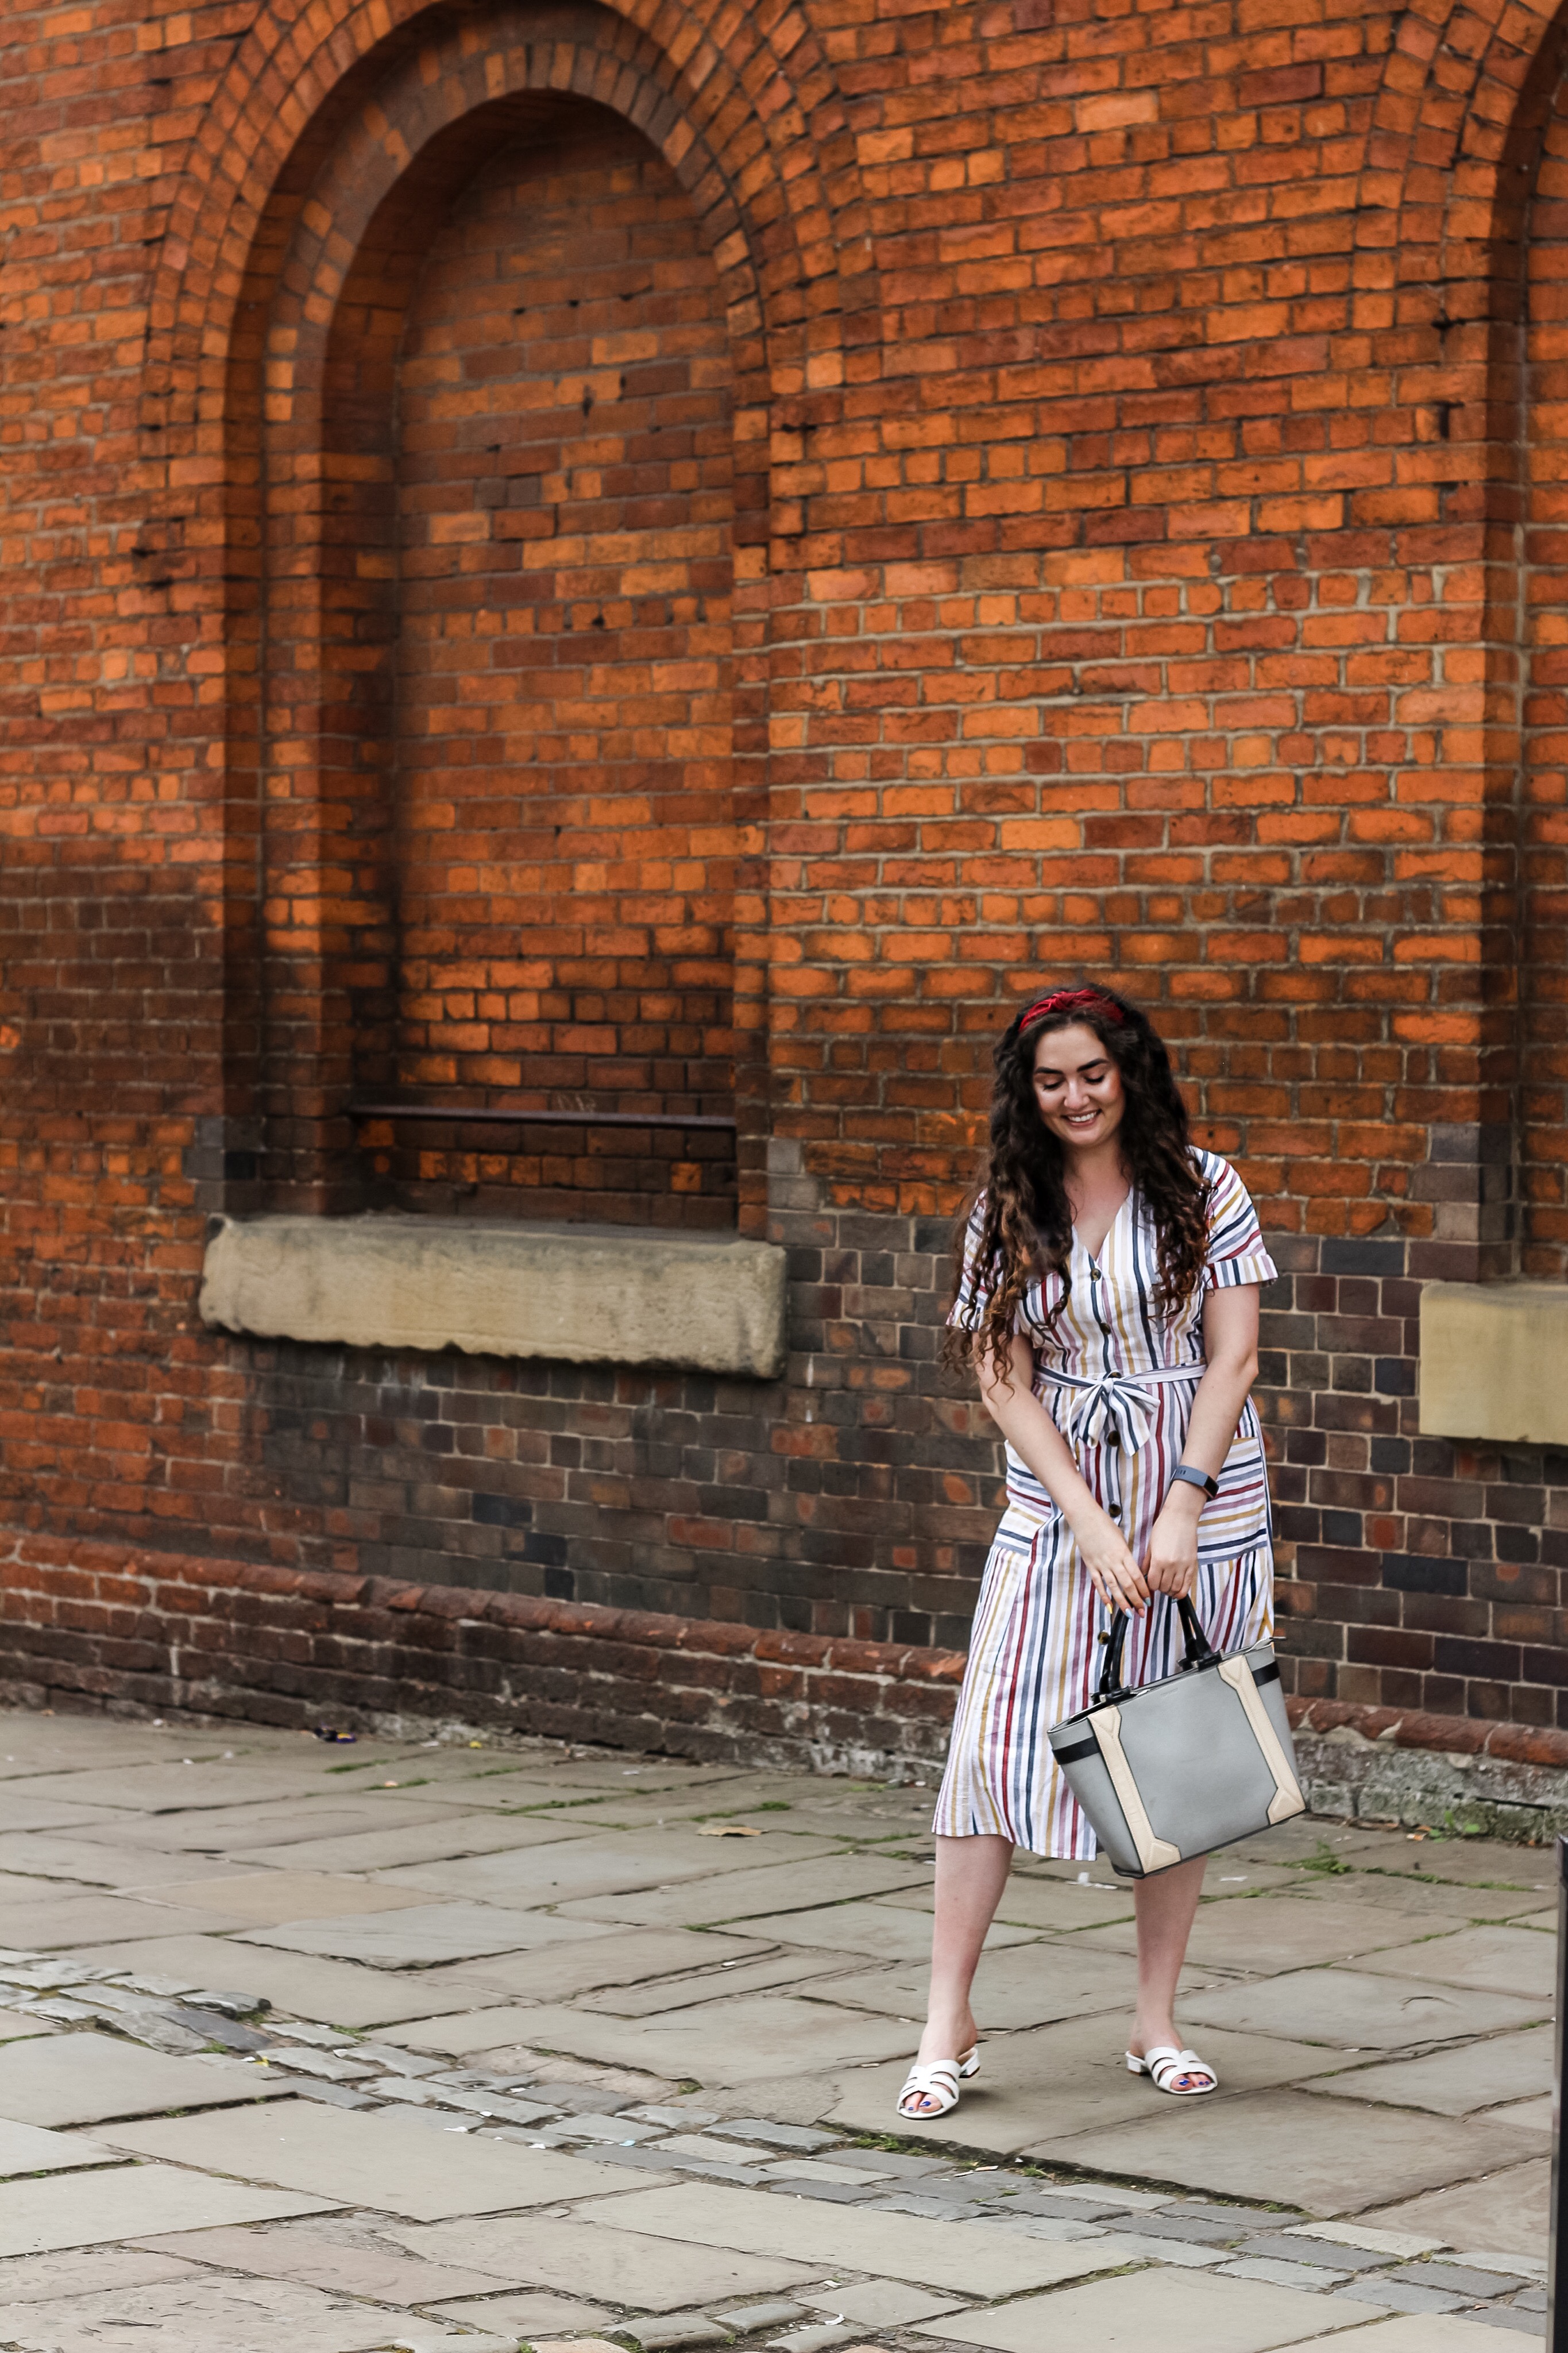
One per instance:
(1175, 1768)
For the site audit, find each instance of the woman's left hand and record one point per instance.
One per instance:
(1173, 1565)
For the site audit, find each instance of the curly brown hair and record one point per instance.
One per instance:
(1025, 1228)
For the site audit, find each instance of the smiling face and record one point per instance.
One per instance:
(1077, 1087)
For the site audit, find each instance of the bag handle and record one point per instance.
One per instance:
(1200, 1652)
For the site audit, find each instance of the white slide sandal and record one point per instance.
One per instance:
(937, 2081)
(1164, 2065)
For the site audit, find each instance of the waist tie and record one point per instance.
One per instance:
(1115, 1408)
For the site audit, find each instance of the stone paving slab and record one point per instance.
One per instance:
(1026, 1986)
(330, 1991)
(1454, 2082)
(380, 2160)
(1064, 2077)
(595, 1955)
(27, 2148)
(271, 1899)
(341, 2263)
(57, 1923)
(747, 1894)
(171, 1788)
(776, 1971)
(1509, 2211)
(20, 1813)
(608, 1864)
(969, 2258)
(1359, 2010)
(529, 2315)
(1265, 1934)
(97, 1863)
(83, 2079)
(42, 2279)
(231, 1829)
(602, 2258)
(200, 2315)
(1289, 2147)
(1142, 2313)
(131, 2202)
(418, 1937)
(1491, 1960)
(875, 1928)
(426, 1838)
(1059, 1907)
(738, 2042)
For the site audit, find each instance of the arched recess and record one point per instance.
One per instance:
(745, 119)
(1459, 210)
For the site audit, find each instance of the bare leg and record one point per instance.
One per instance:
(971, 1874)
(1165, 1906)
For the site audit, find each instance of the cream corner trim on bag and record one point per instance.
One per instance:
(1153, 1853)
(1287, 1799)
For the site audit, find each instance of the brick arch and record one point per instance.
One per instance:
(732, 122)
(752, 87)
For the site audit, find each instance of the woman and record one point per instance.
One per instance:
(1107, 1299)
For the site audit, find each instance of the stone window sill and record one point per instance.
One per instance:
(1494, 1362)
(573, 1294)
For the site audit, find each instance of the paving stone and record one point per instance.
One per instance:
(1491, 1960)
(1196, 2313)
(99, 1864)
(605, 1865)
(1309, 2276)
(749, 2319)
(38, 2279)
(1455, 2083)
(1265, 1934)
(17, 2023)
(27, 2148)
(1291, 2148)
(598, 1954)
(605, 2257)
(721, 2042)
(881, 2303)
(63, 1921)
(1358, 2010)
(429, 1837)
(1507, 2211)
(1017, 1986)
(1400, 2295)
(1071, 2077)
(816, 2171)
(818, 2338)
(528, 2316)
(131, 2202)
(1459, 2280)
(78, 2079)
(383, 2160)
(756, 1894)
(1399, 2244)
(264, 1898)
(864, 1927)
(19, 1812)
(191, 2315)
(1059, 1905)
(965, 2257)
(1530, 2116)
(676, 2329)
(233, 1830)
(418, 1936)
(173, 1787)
(710, 2145)
(1286, 2248)
(776, 2135)
(784, 1972)
(317, 2255)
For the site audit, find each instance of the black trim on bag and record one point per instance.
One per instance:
(1078, 1752)
(1269, 1674)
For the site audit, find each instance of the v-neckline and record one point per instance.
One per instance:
(1095, 1257)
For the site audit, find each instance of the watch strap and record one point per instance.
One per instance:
(1191, 1476)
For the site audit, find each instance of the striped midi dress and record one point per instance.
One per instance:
(1118, 1375)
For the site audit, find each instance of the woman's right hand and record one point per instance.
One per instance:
(1114, 1574)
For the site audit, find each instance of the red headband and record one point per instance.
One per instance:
(1072, 1000)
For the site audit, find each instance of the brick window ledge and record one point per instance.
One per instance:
(1494, 1362)
(574, 1294)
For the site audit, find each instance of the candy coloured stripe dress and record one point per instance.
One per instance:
(1118, 1376)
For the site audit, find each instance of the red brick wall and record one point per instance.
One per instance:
(1141, 554)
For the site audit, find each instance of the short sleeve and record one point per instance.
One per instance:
(1235, 1254)
(975, 1285)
